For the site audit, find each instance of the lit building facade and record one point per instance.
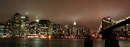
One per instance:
(33, 28)
(2, 27)
(24, 25)
(126, 27)
(46, 27)
(66, 30)
(9, 27)
(56, 27)
(18, 25)
(74, 32)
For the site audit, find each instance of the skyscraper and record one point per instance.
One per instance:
(9, 27)
(20, 24)
(2, 26)
(16, 24)
(46, 25)
(74, 32)
(24, 25)
(56, 27)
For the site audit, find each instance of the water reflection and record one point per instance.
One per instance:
(23, 42)
(112, 43)
(49, 43)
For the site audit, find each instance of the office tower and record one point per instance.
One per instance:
(46, 26)
(56, 27)
(33, 28)
(24, 25)
(74, 30)
(9, 27)
(16, 24)
(2, 26)
(66, 29)
(20, 24)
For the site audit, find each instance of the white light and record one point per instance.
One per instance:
(23, 17)
(37, 20)
(74, 23)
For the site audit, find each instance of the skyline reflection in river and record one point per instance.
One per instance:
(37, 42)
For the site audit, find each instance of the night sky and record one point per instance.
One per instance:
(87, 13)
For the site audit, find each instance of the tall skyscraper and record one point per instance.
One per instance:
(16, 24)
(24, 25)
(74, 23)
(20, 24)
(74, 32)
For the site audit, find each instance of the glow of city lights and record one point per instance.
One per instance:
(37, 19)
(23, 17)
(43, 36)
(26, 13)
(74, 22)
(49, 37)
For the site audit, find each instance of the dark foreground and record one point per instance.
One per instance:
(37, 42)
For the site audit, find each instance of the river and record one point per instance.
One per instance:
(39, 42)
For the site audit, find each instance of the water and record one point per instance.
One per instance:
(41, 42)
(37, 42)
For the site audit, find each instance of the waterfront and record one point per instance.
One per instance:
(37, 42)
(22, 42)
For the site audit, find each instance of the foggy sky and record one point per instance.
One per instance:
(87, 13)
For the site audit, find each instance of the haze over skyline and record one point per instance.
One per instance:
(87, 13)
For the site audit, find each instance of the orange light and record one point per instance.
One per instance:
(43, 36)
(93, 35)
(49, 37)
(108, 18)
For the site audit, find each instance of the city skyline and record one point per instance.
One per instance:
(64, 23)
(64, 12)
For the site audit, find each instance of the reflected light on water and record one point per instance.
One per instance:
(49, 43)
(40, 42)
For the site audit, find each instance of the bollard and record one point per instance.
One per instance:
(112, 43)
(88, 43)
